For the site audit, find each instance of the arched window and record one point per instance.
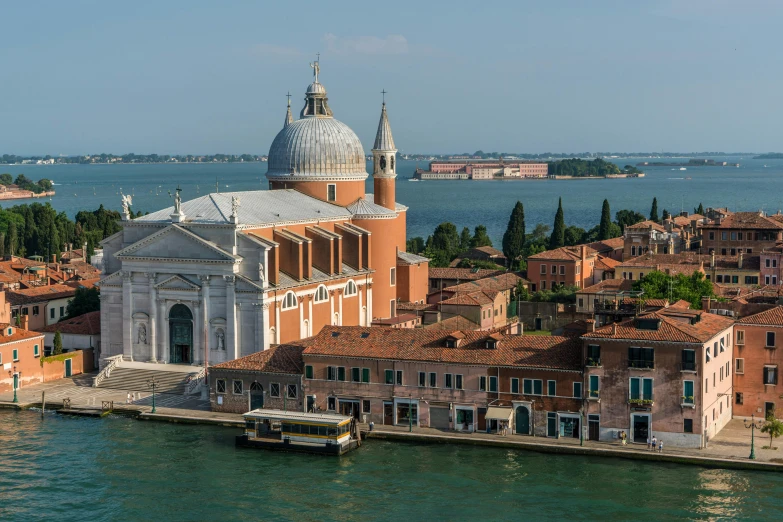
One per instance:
(256, 386)
(350, 288)
(321, 294)
(289, 301)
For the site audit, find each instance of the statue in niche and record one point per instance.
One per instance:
(127, 201)
(142, 334)
(221, 340)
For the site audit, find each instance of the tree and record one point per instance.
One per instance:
(574, 235)
(480, 237)
(658, 285)
(606, 221)
(626, 218)
(666, 215)
(773, 427)
(557, 239)
(464, 239)
(414, 245)
(12, 239)
(85, 300)
(57, 344)
(514, 237)
(699, 209)
(654, 210)
(445, 244)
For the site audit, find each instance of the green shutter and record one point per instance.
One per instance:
(341, 373)
(365, 375)
(389, 376)
(514, 385)
(493, 384)
(355, 374)
(593, 386)
(483, 383)
(309, 371)
(552, 388)
(527, 387)
(538, 387)
(634, 388)
(648, 389)
(688, 392)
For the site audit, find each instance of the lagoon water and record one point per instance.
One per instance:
(755, 185)
(64, 468)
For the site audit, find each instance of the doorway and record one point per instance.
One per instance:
(769, 409)
(256, 395)
(522, 421)
(68, 367)
(640, 426)
(593, 427)
(311, 403)
(350, 408)
(388, 413)
(181, 335)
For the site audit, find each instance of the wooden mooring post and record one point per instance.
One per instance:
(43, 403)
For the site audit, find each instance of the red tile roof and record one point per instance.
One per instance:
(771, 317)
(645, 225)
(607, 245)
(497, 283)
(605, 263)
(566, 253)
(453, 323)
(429, 345)
(405, 305)
(747, 220)
(688, 262)
(672, 327)
(481, 298)
(462, 274)
(85, 324)
(18, 334)
(608, 286)
(39, 294)
(283, 358)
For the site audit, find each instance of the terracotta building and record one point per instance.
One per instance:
(667, 373)
(228, 274)
(461, 380)
(771, 261)
(565, 266)
(741, 232)
(740, 270)
(441, 278)
(757, 363)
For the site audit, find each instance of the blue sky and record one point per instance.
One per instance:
(206, 77)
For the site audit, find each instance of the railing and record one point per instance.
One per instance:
(643, 364)
(111, 363)
(593, 361)
(195, 382)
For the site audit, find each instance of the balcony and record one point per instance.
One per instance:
(594, 362)
(688, 402)
(641, 364)
(593, 395)
(640, 402)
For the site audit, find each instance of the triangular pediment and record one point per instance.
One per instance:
(114, 279)
(246, 285)
(177, 282)
(175, 243)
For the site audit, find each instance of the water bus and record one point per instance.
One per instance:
(299, 431)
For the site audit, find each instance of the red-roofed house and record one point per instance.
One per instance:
(741, 232)
(757, 363)
(666, 373)
(78, 333)
(565, 266)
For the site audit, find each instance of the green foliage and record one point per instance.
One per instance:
(60, 357)
(42, 185)
(666, 215)
(57, 344)
(537, 241)
(630, 169)
(657, 285)
(772, 427)
(480, 237)
(699, 209)
(464, 239)
(574, 235)
(478, 263)
(562, 294)
(514, 237)
(582, 168)
(654, 210)
(520, 293)
(557, 239)
(414, 245)
(606, 221)
(626, 218)
(84, 300)
(6, 179)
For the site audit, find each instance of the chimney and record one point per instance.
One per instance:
(54, 258)
(583, 252)
(84, 250)
(590, 325)
(23, 322)
(712, 259)
(739, 260)
(614, 328)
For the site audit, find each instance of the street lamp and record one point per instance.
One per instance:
(152, 383)
(753, 426)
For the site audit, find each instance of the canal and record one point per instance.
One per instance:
(60, 468)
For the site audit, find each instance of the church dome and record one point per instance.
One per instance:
(316, 147)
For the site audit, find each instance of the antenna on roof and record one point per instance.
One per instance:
(217, 186)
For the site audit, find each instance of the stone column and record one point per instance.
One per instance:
(359, 291)
(331, 307)
(127, 315)
(265, 321)
(310, 314)
(198, 334)
(276, 340)
(205, 316)
(368, 319)
(302, 330)
(104, 350)
(231, 317)
(257, 327)
(153, 318)
(163, 338)
(340, 307)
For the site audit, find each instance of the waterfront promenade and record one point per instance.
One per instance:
(729, 449)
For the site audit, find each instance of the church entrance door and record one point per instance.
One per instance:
(181, 334)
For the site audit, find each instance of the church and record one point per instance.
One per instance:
(228, 274)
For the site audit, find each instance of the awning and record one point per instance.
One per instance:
(495, 413)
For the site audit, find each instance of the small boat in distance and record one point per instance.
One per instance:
(683, 168)
(413, 179)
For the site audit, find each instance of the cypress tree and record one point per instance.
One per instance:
(57, 344)
(699, 210)
(514, 237)
(606, 222)
(654, 210)
(558, 230)
(666, 214)
(464, 240)
(11, 239)
(480, 237)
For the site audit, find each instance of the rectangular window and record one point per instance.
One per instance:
(594, 389)
(448, 380)
(291, 391)
(393, 276)
(493, 383)
(365, 406)
(331, 192)
(543, 284)
(687, 425)
(389, 377)
(62, 311)
(689, 360)
(551, 388)
(735, 279)
(433, 380)
(331, 373)
(770, 375)
(458, 381)
(733, 236)
(543, 269)
(577, 390)
(722, 344)
(562, 269)
(687, 392)
(739, 398)
(356, 374)
(766, 262)
(593, 355)
(51, 313)
(538, 387)
(712, 235)
(770, 339)
(641, 357)
(220, 386)
(308, 372)
(422, 379)
(514, 385)
(16, 355)
(554, 269)
(483, 383)
(365, 375)
(724, 236)
(36, 309)
(331, 403)
(36, 351)
(740, 337)
(399, 377)
(341, 373)
(527, 386)
(237, 387)
(274, 389)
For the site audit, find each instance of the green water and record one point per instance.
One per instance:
(61, 468)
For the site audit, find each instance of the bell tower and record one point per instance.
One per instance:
(384, 164)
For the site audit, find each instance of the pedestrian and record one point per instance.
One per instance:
(128, 400)
(660, 446)
(654, 442)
